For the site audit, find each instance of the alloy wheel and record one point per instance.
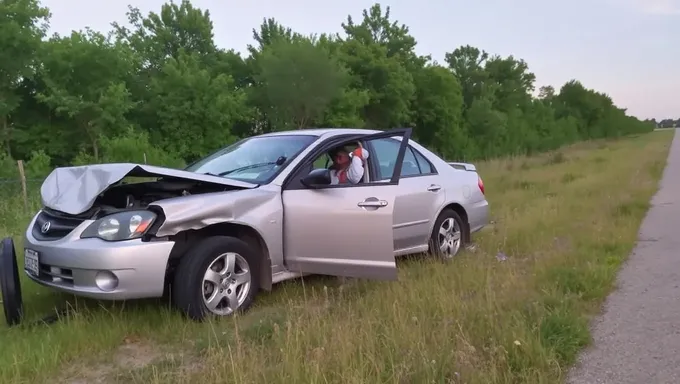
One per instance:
(226, 284)
(449, 237)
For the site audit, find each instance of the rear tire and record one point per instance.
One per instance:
(449, 235)
(218, 277)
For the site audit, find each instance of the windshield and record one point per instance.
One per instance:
(255, 160)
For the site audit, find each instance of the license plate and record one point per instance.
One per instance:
(31, 263)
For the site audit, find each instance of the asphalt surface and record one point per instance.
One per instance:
(637, 338)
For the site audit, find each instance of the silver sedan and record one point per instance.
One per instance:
(266, 209)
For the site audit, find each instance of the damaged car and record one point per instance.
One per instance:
(258, 212)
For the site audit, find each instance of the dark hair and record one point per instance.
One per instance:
(334, 152)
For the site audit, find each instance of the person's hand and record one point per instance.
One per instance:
(359, 152)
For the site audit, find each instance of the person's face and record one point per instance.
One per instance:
(341, 158)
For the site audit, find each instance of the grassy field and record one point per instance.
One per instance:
(565, 220)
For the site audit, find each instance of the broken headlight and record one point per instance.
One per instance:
(120, 226)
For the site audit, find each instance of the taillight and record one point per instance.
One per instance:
(480, 184)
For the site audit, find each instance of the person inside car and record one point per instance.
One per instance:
(348, 166)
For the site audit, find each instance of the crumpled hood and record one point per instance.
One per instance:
(73, 190)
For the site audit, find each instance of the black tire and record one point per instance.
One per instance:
(187, 286)
(10, 284)
(446, 214)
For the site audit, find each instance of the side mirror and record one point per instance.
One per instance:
(317, 178)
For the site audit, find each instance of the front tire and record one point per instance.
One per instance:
(218, 277)
(449, 235)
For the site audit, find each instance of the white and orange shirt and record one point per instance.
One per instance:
(354, 172)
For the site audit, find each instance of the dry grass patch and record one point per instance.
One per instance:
(563, 223)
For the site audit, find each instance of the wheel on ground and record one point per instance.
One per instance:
(10, 284)
(449, 235)
(216, 278)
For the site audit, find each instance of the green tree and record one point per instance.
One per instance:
(467, 64)
(300, 79)
(162, 36)
(379, 54)
(195, 109)
(438, 112)
(162, 87)
(23, 24)
(85, 77)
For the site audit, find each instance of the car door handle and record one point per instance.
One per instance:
(434, 188)
(373, 203)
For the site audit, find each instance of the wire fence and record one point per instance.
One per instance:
(14, 187)
(8, 181)
(19, 201)
(19, 195)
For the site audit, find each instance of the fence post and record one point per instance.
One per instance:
(22, 176)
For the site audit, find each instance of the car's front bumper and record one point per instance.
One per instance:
(98, 269)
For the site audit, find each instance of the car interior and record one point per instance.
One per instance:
(409, 164)
(325, 160)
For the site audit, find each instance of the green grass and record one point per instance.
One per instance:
(566, 220)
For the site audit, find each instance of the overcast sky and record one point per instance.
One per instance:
(629, 49)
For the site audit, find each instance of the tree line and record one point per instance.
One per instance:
(163, 91)
(666, 123)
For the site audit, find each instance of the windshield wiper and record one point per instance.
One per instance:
(278, 161)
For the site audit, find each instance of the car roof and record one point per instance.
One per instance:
(328, 132)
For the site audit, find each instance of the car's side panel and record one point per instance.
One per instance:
(419, 198)
(416, 207)
(342, 230)
(260, 209)
(478, 215)
(461, 188)
(326, 231)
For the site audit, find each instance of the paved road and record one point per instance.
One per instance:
(637, 338)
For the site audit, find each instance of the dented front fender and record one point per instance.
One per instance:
(257, 208)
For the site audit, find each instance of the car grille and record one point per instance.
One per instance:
(59, 226)
(57, 275)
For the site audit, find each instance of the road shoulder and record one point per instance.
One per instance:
(637, 337)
